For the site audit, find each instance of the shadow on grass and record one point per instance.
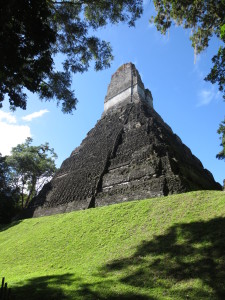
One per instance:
(4, 227)
(172, 262)
(52, 288)
(24, 214)
(186, 262)
(45, 287)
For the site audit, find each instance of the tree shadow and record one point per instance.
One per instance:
(53, 288)
(186, 253)
(102, 291)
(19, 217)
(45, 287)
(186, 262)
(4, 227)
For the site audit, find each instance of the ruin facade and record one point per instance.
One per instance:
(130, 154)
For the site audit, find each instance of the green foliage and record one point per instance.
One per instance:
(221, 130)
(218, 70)
(33, 32)
(26, 41)
(163, 248)
(205, 19)
(9, 196)
(8, 208)
(222, 33)
(3, 174)
(30, 167)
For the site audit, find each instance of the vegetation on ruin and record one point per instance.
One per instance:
(162, 248)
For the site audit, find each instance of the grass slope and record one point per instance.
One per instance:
(162, 248)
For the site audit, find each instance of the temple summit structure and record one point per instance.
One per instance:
(130, 154)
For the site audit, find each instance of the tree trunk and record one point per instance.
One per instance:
(32, 189)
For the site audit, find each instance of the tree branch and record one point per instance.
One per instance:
(67, 2)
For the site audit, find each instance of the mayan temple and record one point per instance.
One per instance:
(130, 154)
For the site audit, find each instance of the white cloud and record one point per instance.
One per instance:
(10, 134)
(34, 115)
(8, 117)
(206, 96)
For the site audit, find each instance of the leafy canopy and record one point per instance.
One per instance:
(34, 32)
(30, 167)
(205, 19)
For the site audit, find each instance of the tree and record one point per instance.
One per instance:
(221, 130)
(8, 196)
(34, 32)
(217, 74)
(205, 19)
(30, 167)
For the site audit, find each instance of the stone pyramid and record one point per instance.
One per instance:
(131, 153)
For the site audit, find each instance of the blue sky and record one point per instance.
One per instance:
(192, 107)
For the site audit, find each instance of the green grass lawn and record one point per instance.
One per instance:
(162, 248)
